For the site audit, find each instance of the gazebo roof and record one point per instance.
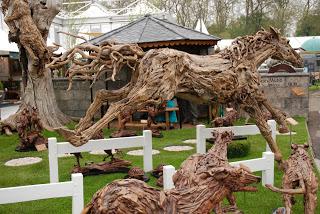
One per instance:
(150, 31)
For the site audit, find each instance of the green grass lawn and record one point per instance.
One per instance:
(263, 201)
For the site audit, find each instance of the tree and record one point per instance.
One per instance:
(308, 24)
(29, 25)
(187, 12)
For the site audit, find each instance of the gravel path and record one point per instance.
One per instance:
(314, 121)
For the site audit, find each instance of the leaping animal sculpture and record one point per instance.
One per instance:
(160, 74)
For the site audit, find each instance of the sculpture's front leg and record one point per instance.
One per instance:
(251, 106)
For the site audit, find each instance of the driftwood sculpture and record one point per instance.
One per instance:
(153, 111)
(112, 166)
(159, 75)
(298, 178)
(216, 157)
(137, 173)
(134, 196)
(29, 130)
(228, 120)
(122, 131)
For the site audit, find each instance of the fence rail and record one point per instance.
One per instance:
(204, 133)
(73, 188)
(264, 164)
(56, 149)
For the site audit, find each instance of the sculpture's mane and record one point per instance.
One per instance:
(246, 45)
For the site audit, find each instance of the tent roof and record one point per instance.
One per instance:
(149, 29)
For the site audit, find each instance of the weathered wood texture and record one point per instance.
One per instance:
(228, 120)
(159, 75)
(299, 178)
(29, 25)
(29, 129)
(213, 184)
(188, 174)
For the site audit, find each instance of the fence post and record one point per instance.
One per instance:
(201, 140)
(77, 197)
(268, 174)
(168, 172)
(273, 127)
(147, 151)
(53, 160)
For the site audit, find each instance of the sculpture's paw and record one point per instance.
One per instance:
(66, 133)
(82, 125)
(71, 136)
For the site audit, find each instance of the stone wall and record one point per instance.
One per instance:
(76, 101)
(288, 91)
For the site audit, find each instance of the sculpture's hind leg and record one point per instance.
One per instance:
(101, 97)
(252, 107)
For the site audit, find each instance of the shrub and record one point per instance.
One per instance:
(1, 85)
(239, 149)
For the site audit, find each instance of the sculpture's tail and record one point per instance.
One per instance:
(286, 191)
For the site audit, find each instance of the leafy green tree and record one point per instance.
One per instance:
(308, 25)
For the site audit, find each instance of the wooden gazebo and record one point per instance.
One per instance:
(151, 32)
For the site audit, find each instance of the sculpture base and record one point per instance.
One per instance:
(115, 165)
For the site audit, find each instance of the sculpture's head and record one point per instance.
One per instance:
(300, 149)
(235, 179)
(284, 51)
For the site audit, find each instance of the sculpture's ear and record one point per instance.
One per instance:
(294, 146)
(306, 145)
(275, 33)
(262, 28)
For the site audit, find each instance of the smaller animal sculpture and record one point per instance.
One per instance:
(298, 178)
(216, 157)
(29, 130)
(135, 196)
(227, 120)
(124, 117)
(137, 173)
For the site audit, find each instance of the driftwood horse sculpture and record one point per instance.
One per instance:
(160, 74)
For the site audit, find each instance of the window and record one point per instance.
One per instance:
(318, 62)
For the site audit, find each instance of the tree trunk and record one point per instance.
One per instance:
(29, 25)
(39, 93)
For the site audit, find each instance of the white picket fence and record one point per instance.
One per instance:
(204, 133)
(264, 164)
(56, 149)
(73, 188)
